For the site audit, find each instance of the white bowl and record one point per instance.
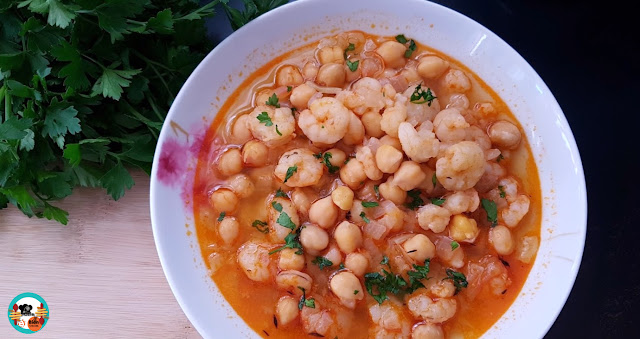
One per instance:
(298, 23)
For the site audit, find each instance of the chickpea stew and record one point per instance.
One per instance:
(366, 186)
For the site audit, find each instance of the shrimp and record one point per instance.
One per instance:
(492, 173)
(461, 166)
(273, 126)
(427, 331)
(294, 281)
(462, 201)
(253, 258)
(317, 320)
(285, 206)
(419, 113)
(518, 208)
(434, 218)
(365, 95)
(444, 252)
(450, 126)
(474, 133)
(434, 311)
(488, 271)
(301, 167)
(458, 101)
(393, 116)
(355, 131)
(388, 321)
(368, 160)
(420, 145)
(443, 289)
(455, 80)
(326, 121)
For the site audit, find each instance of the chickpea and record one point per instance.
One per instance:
(223, 200)
(240, 131)
(419, 248)
(288, 75)
(392, 52)
(228, 230)
(230, 162)
(337, 157)
(348, 236)
(262, 96)
(286, 310)
(352, 174)
(301, 200)
(331, 75)
(393, 219)
(255, 154)
(289, 260)
(388, 159)
(333, 254)
(356, 210)
(330, 54)
(356, 263)
(504, 135)
(427, 331)
(371, 121)
(241, 185)
(323, 212)
(391, 141)
(342, 196)
(409, 176)
(293, 280)
(300, 96)
(500, 238)
(411, 75)
(391, 192)
(313, 238)
(462, 228)
(310, 71)
(344, 285)
(431, 66)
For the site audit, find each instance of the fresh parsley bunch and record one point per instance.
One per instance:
(84, 88)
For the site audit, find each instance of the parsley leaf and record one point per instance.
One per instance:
(322, 262)
(349, 48)
(273, 101)
(222, 215)
(401, 38)
(503, 194)
(277, 131)
(290, 171)
(438, 201)
(252, 10)
(454, 245)
(277, 206)
(434, 180)
(364, 217)
(491, 209)
(311, 303)
(416, 200)
(419, 273)
(376, 189)
(264, 118)
(261, 226)
(326, 157)
(369, 204)
(412, 47)
(353, 66)
(285, 221)
(289, 88)
(385, 261)
(378, 285)
(112, 82)
(290, 241)
(459, 280)
(500, 158)
(280, 194)
(420, 96)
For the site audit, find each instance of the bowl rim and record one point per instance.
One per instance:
(229, 40)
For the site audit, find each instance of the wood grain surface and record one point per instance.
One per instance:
(100, 274)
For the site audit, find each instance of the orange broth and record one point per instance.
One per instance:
(255, 302)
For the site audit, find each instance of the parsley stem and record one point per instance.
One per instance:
(201, 9)
(93, 60)
(149, 61)
(151, 64)
(152, 103)
(2, 91)
(7, 105)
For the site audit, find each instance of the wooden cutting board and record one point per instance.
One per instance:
(100, 274)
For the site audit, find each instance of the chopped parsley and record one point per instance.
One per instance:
(221, 217)
(364, 217)
(412, 47)
(277, 131)
(322, 262)
(419, 273)
(401, 39)
(265, 119)
(420, 96)
(318, 155)
(261, 226)
(353, 66)
(355, 292)
(280, 193)
(289, 88)
(416, 200)
(384, 283)
(351, 47)
(434, 180)
(376, 189)
(492, 211)
(502, 192)
(438, 201)
(369, 204)
(341, 266)
(458, 279)
(385, 261)
(290, 171)
(285, 221)
(454, 245)
(273, 101)
(277, 206)
(500, 157)
(290, 241)
(311, 303)
(326, 157)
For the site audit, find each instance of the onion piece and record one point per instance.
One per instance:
(322, 89)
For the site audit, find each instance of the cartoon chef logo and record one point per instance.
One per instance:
(28, 313)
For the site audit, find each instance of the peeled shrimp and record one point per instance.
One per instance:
(462, 201)
(435, 311)
(452, 257)
(388, 321)
(432, 217)
(419, 113)
(280, 121)
(316, 320)
(518, 208)
(365, 95)
(253, 258)
(326, 121)
(450, 126)
(419, 145)
(368, 160)
(490, 272)
(393, 116)
(279, 231)
(461, 166)
(308, 170)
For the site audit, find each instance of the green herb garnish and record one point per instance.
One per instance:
(420, 96)
(290, 171)
(265, 119)
(376, 189)
(419, 273)
(369, 204)
(280, 193)
(353, 66)
(277, 206)
(458, 279)
(311, 303)
(500, 157)
(252, 10)
(273, 101)
(221, 217)
(438, 201)
(261, 226)
(491, 209)
(385, 261)
(364, 217)
(412, 47)
(378, 285)
(349, 48)
(454, 245)
(285, 221)
(401, 38)
(277, 131)
(322, 262)
(289, 88)
(416, 200)
(292, 240)
(326, 157)
(434, 180)
(503, 194)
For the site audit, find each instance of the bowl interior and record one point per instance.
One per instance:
(296, 24)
